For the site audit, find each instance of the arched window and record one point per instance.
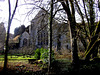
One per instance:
(25, 42)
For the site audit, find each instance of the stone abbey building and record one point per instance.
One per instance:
(38, 31)
(36, 34)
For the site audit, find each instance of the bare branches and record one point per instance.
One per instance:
(7, 37)
(35, 6)
(9, 10)
(14, 9)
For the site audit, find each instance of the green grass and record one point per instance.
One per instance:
(13, 57)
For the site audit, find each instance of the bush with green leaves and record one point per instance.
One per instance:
(37, 54)
(43, 54)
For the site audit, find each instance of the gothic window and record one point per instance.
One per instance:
(59, 36)
(44, 38)
(39, 38)
(59, 42)
(47, 38)
(58, 45)
(25, 42)
(46, 41)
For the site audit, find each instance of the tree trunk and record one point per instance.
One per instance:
(92, 45)
(50, 36)
(92, 51)
(72, 23)
(92, 17)
(83, 40)
(7, 37)
(95, 53)
(70, 39)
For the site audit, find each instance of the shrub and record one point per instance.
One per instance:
(37, 54)
(43, 54)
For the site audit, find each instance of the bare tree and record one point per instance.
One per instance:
(7, 37)
(50, 35)
(70, 11)
(89, 31)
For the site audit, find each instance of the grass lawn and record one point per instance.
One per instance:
(14, 57)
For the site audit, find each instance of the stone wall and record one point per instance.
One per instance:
(39, 32)
(24, 39)
(2, 35)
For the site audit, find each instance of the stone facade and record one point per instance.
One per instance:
(24, 39)
(20, 40)
(39, 32)
(2, 35)
(36, 34)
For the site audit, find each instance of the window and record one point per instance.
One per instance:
(25, 42)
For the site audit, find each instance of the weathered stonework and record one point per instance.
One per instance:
(2, 35)
(24, 39)
(39, 33)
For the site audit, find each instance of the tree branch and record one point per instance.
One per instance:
(14, 10)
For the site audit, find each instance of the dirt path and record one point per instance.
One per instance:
(22, 65)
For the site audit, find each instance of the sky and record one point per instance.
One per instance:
(20, 17)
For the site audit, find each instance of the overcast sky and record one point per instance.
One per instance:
(20, 16)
